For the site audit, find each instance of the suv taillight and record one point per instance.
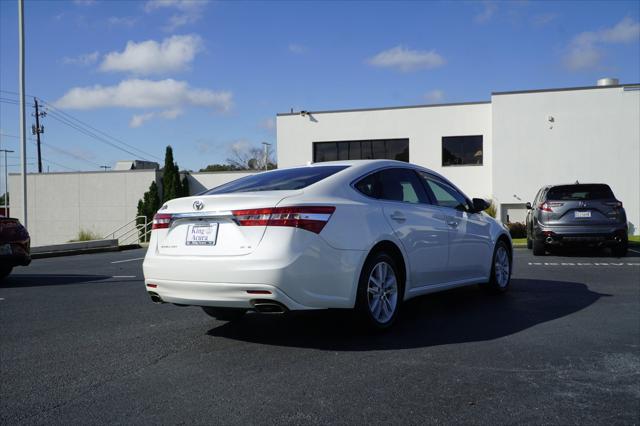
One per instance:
(614, 204)
(310, 218)
(161, 221)
(546, 206)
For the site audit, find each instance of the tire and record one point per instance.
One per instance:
(501, 267)
(538, 248)
(529, 243)
(621, 249)
(224, 314)
(380, 292)
(5, 271)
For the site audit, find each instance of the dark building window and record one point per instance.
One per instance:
(462, 150)
(387, 149)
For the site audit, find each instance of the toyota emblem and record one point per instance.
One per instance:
(198, 205)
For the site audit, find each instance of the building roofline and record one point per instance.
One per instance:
(512, 92)
(284, 114)
(565, 89)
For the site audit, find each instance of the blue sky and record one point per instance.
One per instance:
(207, 76)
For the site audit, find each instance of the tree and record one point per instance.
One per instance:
(148, 205)
(220, 168)
(245, 157)
(184, 187)
(171, 187)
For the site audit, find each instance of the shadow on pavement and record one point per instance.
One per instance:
(43, 280)
(462, 315)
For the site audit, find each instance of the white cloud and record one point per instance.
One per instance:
(585, 49)
(489, 8)
(188, 11)
(151, 57)
(136, 93)
(124, 21)
(435, 95)
(138, 120)
(404, 59)
(298, 49)
(84, 59)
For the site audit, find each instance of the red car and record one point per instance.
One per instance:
(15, 245)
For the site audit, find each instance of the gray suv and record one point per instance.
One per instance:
(584, 214)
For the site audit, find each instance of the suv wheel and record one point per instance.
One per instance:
(620, 250)
(538, 247)
(5, 271)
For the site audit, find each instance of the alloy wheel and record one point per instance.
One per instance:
(382, 292)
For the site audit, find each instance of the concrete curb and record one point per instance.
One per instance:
(80, 247)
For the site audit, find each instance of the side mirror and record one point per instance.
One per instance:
(528, 205)
(479, 205)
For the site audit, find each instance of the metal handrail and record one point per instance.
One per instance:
(135, 231)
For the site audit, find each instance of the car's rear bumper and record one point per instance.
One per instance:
(576, 235)
(307, 275)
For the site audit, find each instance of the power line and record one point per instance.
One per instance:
(86, 128)
(66, 114)
(59, 150)
(89, 133)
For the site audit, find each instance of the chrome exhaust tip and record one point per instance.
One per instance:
(155, 298)
(549, 240)
(268, 307)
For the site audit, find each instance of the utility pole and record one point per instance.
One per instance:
(23, 130)
(266, 155)
(6, 180)
(37, 129)
(105, 167)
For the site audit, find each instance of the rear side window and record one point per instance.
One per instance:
(393, 185)
(278, 180)
(580, 192)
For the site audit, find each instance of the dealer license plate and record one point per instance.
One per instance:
(582, 214)
(202, 235)
(5, 249)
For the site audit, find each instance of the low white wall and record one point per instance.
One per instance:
(61, 204)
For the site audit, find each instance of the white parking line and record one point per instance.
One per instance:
(584, 263)
(128, 260)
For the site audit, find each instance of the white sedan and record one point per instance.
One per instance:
(364, 235)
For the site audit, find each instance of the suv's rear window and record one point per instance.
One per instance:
(278, 180)
(580, 192)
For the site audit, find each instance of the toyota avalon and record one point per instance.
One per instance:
(363, 235)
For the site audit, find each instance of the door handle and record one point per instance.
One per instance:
(398, 217)
(453, 223)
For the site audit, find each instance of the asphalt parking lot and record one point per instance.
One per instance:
(82, 343)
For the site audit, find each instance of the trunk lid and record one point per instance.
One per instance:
(204, 225)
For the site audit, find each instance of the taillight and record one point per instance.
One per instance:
(546, 206)
(161, 221)
(614, 204)
(310, 218)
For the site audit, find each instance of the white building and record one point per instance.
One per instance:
(504, 149)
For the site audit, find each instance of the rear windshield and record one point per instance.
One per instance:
(278, 180)
(580, 192)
